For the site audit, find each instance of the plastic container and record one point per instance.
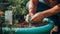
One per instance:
(34, 30)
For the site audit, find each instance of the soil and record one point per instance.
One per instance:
(26, 25)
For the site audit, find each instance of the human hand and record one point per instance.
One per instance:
(27, 17)
(38, 17)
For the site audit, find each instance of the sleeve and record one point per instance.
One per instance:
(58, 1)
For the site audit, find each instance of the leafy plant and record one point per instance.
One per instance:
(18, 6)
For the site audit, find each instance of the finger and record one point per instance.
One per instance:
(26, 18)
(35, 20)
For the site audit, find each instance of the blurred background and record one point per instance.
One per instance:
(18, 8)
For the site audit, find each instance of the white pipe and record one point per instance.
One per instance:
(8, 16)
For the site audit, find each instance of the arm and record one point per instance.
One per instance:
(32, 6)
(32, 9)
(52, 11)
(39, 16)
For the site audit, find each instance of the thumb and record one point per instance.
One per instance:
(26, 19)
(33, 18)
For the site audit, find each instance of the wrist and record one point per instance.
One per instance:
(57, 7)
(31, 14)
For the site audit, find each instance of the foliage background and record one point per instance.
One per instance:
(18, 6)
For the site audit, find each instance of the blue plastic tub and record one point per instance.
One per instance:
(35, 30)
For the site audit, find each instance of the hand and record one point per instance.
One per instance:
(28, 17)
(38, 17)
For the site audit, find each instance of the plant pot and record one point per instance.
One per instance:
(34, 30)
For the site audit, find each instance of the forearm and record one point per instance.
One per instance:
(51, 11)
(32, 6)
